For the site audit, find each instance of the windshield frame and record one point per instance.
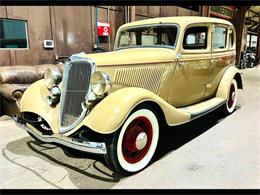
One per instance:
(147, 25)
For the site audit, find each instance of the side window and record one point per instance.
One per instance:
(231, 40)
(13, 34)
(220, 38)
(127, 38)
(195, 38)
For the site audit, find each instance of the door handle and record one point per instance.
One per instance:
(180, 63)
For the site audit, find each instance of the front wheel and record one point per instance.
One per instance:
(131, 149)
(232, 98)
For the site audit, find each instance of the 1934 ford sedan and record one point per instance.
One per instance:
(162, 70)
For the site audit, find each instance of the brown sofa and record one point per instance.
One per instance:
(14, 80)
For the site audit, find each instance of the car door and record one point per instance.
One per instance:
(223, 55)
(193, 66)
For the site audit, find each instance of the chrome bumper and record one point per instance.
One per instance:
(77, 144)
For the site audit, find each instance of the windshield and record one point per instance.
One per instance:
(149, 36)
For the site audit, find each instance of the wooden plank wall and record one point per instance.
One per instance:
(38, 19)
(71, 27)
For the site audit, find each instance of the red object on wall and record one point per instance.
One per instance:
(103, 29)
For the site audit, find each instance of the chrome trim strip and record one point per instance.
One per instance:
(77, 144)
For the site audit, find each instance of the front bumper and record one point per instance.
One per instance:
(77, 144)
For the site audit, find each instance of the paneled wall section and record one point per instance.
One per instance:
(73, 29)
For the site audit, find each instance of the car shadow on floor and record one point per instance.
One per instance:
(84, 170)
(172, 138)
(90, 171)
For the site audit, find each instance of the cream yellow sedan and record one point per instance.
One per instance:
(163, 70)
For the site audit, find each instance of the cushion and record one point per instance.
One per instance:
(13, 92)
(18, 74)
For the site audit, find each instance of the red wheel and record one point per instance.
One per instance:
(137, 139)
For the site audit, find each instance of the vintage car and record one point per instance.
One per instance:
(167, 70)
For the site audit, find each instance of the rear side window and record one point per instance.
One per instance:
(231, 39)
(220, 38)
(195, 38)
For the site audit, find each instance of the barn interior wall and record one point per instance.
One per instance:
(73, 29)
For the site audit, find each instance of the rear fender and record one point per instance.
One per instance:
(224, 85)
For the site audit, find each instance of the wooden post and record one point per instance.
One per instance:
(239, 26)
(258, 44)
(205, 11)
(132, 13)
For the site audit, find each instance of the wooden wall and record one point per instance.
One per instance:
(71, 27)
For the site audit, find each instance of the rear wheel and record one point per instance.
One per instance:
(132, 147)
(232, 98)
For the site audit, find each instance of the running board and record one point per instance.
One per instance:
(203, 107)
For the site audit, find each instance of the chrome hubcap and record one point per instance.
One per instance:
(141, 140)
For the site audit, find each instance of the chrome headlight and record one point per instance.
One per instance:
(100, 83)
(55, 91)
(52, 78)
(52, 101)
(54, 98)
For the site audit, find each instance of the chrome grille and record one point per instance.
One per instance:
(75, 87)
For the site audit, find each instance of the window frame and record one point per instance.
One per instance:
(196, 51)
(148, 25)
(214, 25)
(230, 30)
(26, 32)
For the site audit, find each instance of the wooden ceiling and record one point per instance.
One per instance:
(252, 19)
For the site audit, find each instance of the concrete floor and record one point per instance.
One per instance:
(224, 153)
(213, 151)
(28, 164)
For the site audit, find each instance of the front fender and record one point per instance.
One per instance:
(34, 100)
(224, 85)
(111, 112)
(107, 116)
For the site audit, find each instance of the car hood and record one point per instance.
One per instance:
(132, 56)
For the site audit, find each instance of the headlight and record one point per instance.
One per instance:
(55, 91)
(54, 98)
(100, 83)
(52, 78)
(52, 101)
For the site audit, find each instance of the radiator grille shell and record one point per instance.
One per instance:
(75, 89)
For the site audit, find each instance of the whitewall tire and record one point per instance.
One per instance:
(232, 97)
(134, 145)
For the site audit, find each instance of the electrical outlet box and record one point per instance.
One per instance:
(48, 44)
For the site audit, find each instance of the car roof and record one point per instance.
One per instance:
(181, 20)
